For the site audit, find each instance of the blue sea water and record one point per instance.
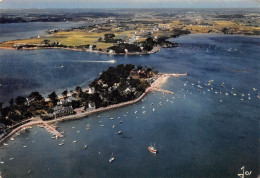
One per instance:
(199, 132)
(16, 31)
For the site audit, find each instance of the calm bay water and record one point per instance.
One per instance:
(16, 31)
(198, 134)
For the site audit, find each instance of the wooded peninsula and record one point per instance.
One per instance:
(115, 85)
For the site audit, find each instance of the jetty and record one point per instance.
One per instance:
(177, 75)
(51, 129)
(163, 91)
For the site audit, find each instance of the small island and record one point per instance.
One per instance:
(116, 87)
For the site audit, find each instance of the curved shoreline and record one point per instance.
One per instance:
(154, 87)
(73, 117)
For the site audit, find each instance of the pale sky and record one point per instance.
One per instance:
(19, 4)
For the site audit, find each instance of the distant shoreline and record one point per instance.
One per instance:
(84, 50)
(155, 50)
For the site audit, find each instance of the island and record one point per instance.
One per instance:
(116, 87)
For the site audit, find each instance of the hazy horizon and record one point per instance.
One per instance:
(65, 4)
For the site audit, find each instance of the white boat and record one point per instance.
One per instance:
(61, 144)
(112, 158)
(119, 132)
(152, 149)
(112, 61)
(85, 147)
(75, 141)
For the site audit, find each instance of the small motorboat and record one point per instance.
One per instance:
(112, 61)
(112, 158)
(152, 149)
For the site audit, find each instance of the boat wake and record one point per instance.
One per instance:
(109, 61)
(58, 67)
(83, 61)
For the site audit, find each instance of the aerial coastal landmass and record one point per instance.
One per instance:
(116, 87)
(119, 33)
(129, 33)
(129, 92)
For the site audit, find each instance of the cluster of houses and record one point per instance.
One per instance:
(64, 108)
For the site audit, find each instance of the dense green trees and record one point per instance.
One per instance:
(122, 47)
(65, 93)
(20, 100)
(118, 80)
(115, 85)
(35, 96)
(109, 38)
(177, 32)
(54, 98)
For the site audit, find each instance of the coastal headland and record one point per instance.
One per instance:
(85, 109)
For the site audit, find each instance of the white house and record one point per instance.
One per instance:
(92, 105)
(91, 90)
